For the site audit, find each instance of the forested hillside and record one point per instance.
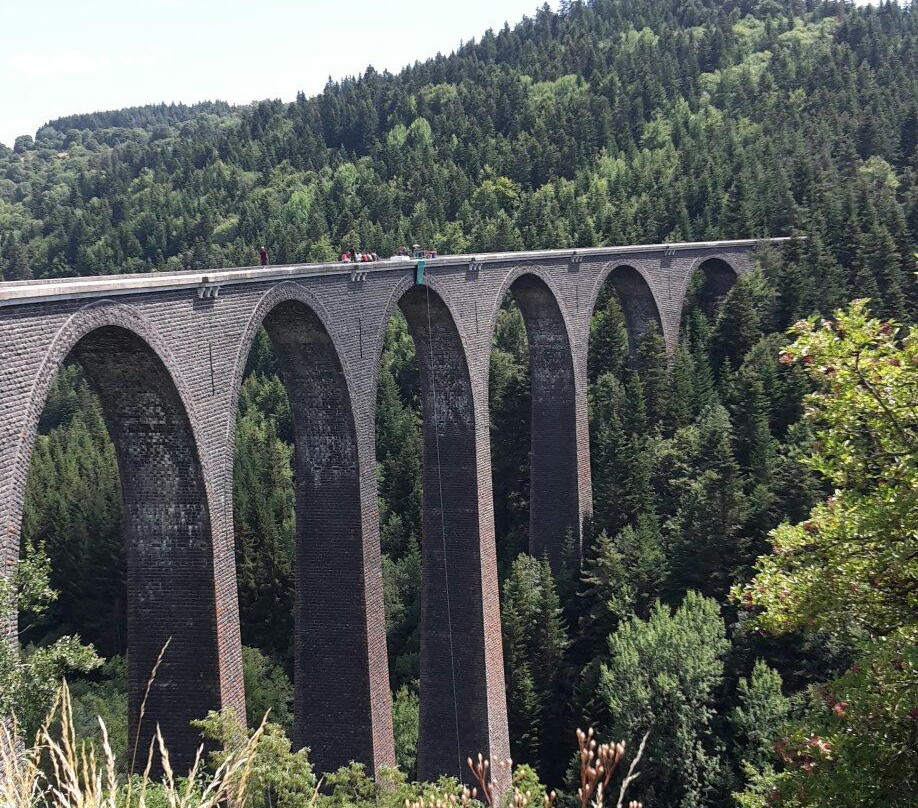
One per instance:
(603, 123)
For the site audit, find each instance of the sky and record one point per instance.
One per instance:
(61, 57)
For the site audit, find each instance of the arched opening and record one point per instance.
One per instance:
(638, 306)
(264, 520)
(458, 654)
(708, 286)
(628, 388)
(703, 344)
(706, 290)
(550, 439)
(146, 533)
(332, 710)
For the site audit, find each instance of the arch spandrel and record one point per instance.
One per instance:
(551, 286)
(446, 294)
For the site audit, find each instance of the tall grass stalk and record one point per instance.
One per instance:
(60, 771)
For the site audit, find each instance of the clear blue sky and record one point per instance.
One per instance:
(65, 56)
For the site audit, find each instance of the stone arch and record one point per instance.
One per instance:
(167, 524)
(718, 275)
(554, 502)
(342, 706)
(636, 297)
(462, 707)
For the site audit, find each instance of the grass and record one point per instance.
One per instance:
(58, 771)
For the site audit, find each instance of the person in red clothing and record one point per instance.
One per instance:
(263, 254)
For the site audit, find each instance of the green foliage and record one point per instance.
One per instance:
(406, 725)
(73, 508)
(740, 321)
(620, 452)
(268, 690)
(607, 594)
(263, 515)
(278, 775)
(852, 743)
(30, 676)
(704, 536)
(511, 407)
(102, 695)
(851, 566)
(608, 337)
(661, 675)
(651, 365)
(526, 782)
(535, 639)
(849, 570)
(760, 712)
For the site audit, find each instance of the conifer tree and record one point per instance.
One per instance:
(682, 405)
(740, 320)
(758, 717)
(651, 364)
(535, 640)
(608, 337)
(704, 532)
(17, 264)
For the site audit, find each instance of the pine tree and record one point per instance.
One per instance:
(608, 337)
(263, 515)
(17, 264)
(704, 532)
(535, 640)
(621, 460)
(606, 597)
(740, 320)
(758, 716)
(682, 374)
(651, 364)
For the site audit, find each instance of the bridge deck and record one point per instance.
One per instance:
(30, 291)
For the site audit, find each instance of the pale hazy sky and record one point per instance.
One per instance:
(59, 57)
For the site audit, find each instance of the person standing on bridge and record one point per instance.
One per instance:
(263, 254)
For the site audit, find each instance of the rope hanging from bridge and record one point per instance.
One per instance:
(449, 616)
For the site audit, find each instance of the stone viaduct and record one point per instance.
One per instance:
(166, 353)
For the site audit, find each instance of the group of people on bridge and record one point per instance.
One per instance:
(357, 256)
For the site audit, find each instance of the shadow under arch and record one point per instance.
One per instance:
(638, 304)
(554, 502)
(166, 521)
(461, 691)
(708, 284)
(339, 662)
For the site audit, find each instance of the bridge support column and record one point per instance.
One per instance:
(555, 500)
(341, 687)
(463, 704)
